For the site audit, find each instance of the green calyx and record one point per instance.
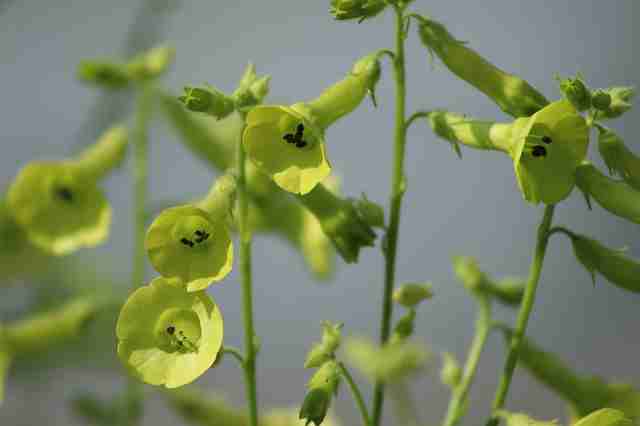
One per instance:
(512, 94)
(371, 212)
(208, 100)
(614, 196)
(325, 350)
(508, 291)
(547, 149)
(601, 100)
(346, 10)
(251, 89)
(458, 128)
(323, 386)
(168, 336)
(189, 244)
(411, 295)
(620, 103)
(59, 208)
(619, 159)
(340, 221)
(575, 90)
(104, 74)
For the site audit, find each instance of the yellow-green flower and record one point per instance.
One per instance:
(190, 244)
(547, 149)
(58, 207)
(168, 336)
(287, 142)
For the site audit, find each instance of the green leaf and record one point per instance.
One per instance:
(521, 419)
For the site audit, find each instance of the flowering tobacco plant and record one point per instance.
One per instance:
(275, 177)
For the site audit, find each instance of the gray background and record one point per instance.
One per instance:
(452, 207)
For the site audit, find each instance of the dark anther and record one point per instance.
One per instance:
(65, 194)
(186, 242)
(539, 151)
(546, 139)
(201, 236)
(180, 343)
(297, 138)
(171, 329)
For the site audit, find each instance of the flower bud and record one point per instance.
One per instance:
(404, 327)
(601, 100)
(251, 90)
(521, 419)
(576, 91)
(450, 373)
(619, 269)
(618, 158)
(508, 291)
(340, 221)
(325, 350)
(621, 98)
(467, 271)
(390, 363)
(208, 100)
(106, 154)
(371, 212)
(411, 295)
(103, 74)
(315, 406)
(151, 64)
(513, 95)
(615, 196)
(168, 336)
(32, 336)
(343, 10)
(457, 128)
(605, 417)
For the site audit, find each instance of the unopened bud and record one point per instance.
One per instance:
(576, 92)
(208, 100)
(412, 294)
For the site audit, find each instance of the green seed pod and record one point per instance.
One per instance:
(189, 244)
(458, 128)
(41, 331)
(151, 64)
(208, 100)
(168, 336)
(521, 419)
(605, 417)
(618, 158)
(513, 95)
(103, 74)
(340, 221)
(601, 100)
(315, 406)
(411, 295)
(621, 98)
(391, 363)
(615, 196)
(58, 207)
(287, 142)
(106, 154)
(619, 269)
(450, 373)
(202, 408)
(343, 10)
(371, 212)
(576, 91)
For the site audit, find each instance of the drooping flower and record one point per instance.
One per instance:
(192, 242)
(287, 142)
(168, 336)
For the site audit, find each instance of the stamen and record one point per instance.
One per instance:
(171, 329)
(539, 151)
(297, 138)
(186, 242)
(64, 194)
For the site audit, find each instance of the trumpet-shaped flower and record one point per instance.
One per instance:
(59, 208)
(287, 142)
(188, 243)
(168, 336)
(547, 149)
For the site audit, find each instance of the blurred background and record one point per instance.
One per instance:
(469, 206)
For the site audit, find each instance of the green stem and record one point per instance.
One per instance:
(140, 190)
(247, 296)
(524, 313)
(397, 191)
(461, 391)
(236, 353)
(357, 395)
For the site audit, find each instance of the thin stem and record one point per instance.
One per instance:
(525, 311)
(416, 115)
(247, 296)
(235, 352)
(357, 395)
(140, 190)
(397, 191)
(461, 391)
